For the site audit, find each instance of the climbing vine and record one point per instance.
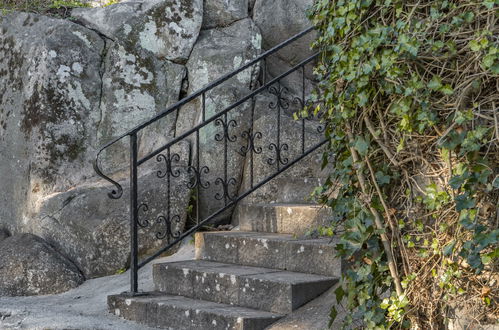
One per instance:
(409, 91)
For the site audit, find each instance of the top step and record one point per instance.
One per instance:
(296, 219)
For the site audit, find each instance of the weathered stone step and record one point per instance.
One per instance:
(180, 313)
(278, 251)
(265, 289)
(294, 219)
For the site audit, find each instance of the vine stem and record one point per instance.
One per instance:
(393, 228)
(377, 218)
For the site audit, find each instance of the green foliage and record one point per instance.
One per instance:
(40, 6)
(411, 87)
(111, 2)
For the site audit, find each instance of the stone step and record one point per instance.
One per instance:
(180, 313)
(295, 219)
(278, 251)
(264, 289)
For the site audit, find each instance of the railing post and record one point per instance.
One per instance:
(133, 215)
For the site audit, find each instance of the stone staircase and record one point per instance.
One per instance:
(245, 279)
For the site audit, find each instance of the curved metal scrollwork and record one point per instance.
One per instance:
(160, 219)
(279, 159)
(144, 208)
(250, 138)
(280, 92)
(168, 224)
(114, 193)
(225, 126)
(225, 186)
(195, 177)
(168, 164)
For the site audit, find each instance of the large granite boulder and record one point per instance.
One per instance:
(64, 91)
(278, 21)
(136, 86)
(166, 28)
(50, 90)
(29, 266)
(110, 20)
(220, 13)
(240, 43)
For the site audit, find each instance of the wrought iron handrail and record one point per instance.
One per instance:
(220, 118)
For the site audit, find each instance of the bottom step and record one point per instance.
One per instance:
(180, 313)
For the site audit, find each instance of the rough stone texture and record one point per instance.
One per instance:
(136, 86)
(315, 315)
(293, 219)
(280, 20)
(277, 251)
(49, 98)
(167, 28)
(108, 20)
(241, 43)
(84, 307)
(260, 288)
(3, 234)
(64, 91)
(163, 311)
(66, 88)
(29, 266)
(93, 230)
(219, 13)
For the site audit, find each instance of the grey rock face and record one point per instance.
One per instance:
(64, 91)
(223, 12)
(136, 86)
(281, 19)
(167, 28)
(29, 266)
(50, 93)
(108, 20)
(93, 230)
(3, 234)
(241, 43)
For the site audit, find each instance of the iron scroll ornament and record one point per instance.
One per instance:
(169, 229)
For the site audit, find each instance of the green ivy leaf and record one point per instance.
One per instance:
(340, 293)
(474, 45)
(435, 83)
(381, 178)
(362, 98)
(332, 316)
(449, 248)
(447, 90)
(361, 146)
(463, 202)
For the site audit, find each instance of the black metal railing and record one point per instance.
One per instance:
(195, 174)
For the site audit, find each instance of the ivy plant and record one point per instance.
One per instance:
(409, 93)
